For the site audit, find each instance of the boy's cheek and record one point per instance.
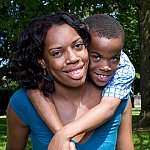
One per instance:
(92, 65)
(115, 67)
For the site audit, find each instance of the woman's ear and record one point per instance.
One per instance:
(42, 63)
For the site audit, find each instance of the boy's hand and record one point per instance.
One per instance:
(61, 143)
(72, 146)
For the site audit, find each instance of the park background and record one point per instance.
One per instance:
(134, 15)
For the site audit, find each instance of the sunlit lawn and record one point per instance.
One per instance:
(3, 129)
(141, 139)
(2, 132)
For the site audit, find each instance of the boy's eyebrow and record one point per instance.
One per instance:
(118, 54)
(91, 50)
(96, 53)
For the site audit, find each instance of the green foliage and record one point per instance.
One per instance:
(141, 140)
(7, 88)
(15, 15)
(8, 84)
(137, 75)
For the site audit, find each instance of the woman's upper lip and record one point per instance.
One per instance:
(69, 69)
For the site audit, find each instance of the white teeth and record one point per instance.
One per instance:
(76, 71)
(102, 76)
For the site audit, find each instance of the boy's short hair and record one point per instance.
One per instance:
(104, 26)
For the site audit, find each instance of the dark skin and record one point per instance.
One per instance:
(20, 127)
(110, 58)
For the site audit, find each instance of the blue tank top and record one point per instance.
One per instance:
(103, 138)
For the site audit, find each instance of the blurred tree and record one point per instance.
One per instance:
(144, 15)
(15, 14)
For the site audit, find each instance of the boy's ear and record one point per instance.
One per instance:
(42, 63)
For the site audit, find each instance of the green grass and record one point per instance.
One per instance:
(3, 129)
(3, 137)
(135, 116)
(136, 111)
(141, 139)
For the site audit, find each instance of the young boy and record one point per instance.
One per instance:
(106, 34)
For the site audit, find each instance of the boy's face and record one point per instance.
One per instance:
(104, 58)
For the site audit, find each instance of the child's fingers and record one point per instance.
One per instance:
(72, 146)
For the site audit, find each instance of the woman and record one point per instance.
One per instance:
(57, 45)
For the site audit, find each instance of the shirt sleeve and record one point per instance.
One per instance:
(120, 84)
(18, 103)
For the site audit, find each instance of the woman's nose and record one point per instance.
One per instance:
(72, 57)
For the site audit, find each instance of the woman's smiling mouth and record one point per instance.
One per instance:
(75, 74)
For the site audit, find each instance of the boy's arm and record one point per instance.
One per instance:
(95, 117)
(121, 82)
(45, 109)
(124, 140)
(115, 91)
(48, 113)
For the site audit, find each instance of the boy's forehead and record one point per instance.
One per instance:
(102, 45)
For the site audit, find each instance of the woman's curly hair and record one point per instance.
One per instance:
(26, 69)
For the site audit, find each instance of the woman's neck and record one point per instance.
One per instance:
(73, 102)
(73, 93)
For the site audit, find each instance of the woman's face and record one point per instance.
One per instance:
(65, 56)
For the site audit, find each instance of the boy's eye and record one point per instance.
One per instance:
(95, 57)
(115, 59)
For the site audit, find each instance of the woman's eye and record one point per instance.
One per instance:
(57, 53)
(79, 46)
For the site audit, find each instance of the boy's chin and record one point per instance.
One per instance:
(100, 84)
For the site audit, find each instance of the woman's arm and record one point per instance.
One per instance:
(17, 131)
(124, 140)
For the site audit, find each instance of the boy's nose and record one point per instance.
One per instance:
(107, 68)
(105, 65)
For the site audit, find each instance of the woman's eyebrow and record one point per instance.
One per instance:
(59, 47)
(77, 40)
